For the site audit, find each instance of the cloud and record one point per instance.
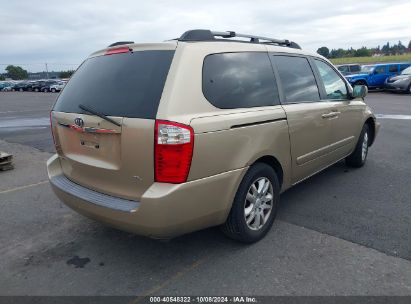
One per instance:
(63, 34)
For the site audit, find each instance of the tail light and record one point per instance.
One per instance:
(173, 151)
(51, 127)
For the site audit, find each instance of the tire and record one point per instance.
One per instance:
(36, 90)
(236, 226)
(359, 156)
(21, 90)
(53, 90)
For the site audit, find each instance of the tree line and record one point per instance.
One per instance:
(18, 73)
(386, 49)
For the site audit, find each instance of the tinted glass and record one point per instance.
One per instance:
(379, 70)
(404, 66)
(343, 68)
(334, 86)
(355, 68)
(125, 85)
(297, 79)
(239, 80)
(393, 68)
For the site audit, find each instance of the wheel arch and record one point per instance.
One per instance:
(361, 81)
(273, 163)
(370, 121)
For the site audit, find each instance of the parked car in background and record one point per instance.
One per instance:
(38, 86)
(54, 87)
(347, 69)
(21, 86)
(197, 133)
(374, 76)
(4, 84)
(399, 83)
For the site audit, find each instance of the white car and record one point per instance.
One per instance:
(57, 87)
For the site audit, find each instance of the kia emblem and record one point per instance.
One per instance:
(79, 122)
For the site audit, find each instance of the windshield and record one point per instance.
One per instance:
(407, 71)
(124, 85)
(366, 69)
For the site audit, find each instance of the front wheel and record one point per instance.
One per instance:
(255, 205)
(358, 157)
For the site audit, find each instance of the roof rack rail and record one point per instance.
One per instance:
(120, 43)
(207, 35)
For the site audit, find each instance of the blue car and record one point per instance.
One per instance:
(374, 76)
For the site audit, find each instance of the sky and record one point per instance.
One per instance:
(64, 33)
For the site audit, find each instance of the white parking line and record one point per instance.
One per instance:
(26, 111)
(392, 116)
(24, 122)
(24, 187)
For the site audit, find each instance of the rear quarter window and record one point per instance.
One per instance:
(239, 80)
(125, 85)
(393, 68)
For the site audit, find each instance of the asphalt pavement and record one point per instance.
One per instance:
(342, 232)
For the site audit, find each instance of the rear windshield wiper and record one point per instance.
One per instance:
(92, 111)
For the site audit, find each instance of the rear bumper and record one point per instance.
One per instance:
(163, 211)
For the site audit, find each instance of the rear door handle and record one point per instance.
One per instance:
(331, 114)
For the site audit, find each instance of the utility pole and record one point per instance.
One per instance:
(47, 71)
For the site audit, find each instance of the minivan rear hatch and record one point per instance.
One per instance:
(103, 121)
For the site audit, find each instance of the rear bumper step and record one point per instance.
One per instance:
(97, 198)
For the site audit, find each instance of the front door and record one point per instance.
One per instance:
(346, 123)
(378, 76)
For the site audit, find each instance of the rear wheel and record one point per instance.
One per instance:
(53, 90)
(36, 90)
(358, 157)
(255, 205)
(21, 89)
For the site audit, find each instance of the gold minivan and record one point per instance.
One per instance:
(162, 139)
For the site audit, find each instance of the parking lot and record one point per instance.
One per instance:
(342, 232)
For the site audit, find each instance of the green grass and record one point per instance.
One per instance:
(396, 58)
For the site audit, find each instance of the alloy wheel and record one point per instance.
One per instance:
(258, 203)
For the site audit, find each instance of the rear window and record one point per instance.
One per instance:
(125, 85)
(239, 80)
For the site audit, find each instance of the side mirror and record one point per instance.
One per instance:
(359, 91)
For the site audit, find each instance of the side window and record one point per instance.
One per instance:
(335, 87)
(403, 67)
(297, 79)
(239, 80)
(355, 68)
(380, 70)
(343, 69)
(393, 69)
